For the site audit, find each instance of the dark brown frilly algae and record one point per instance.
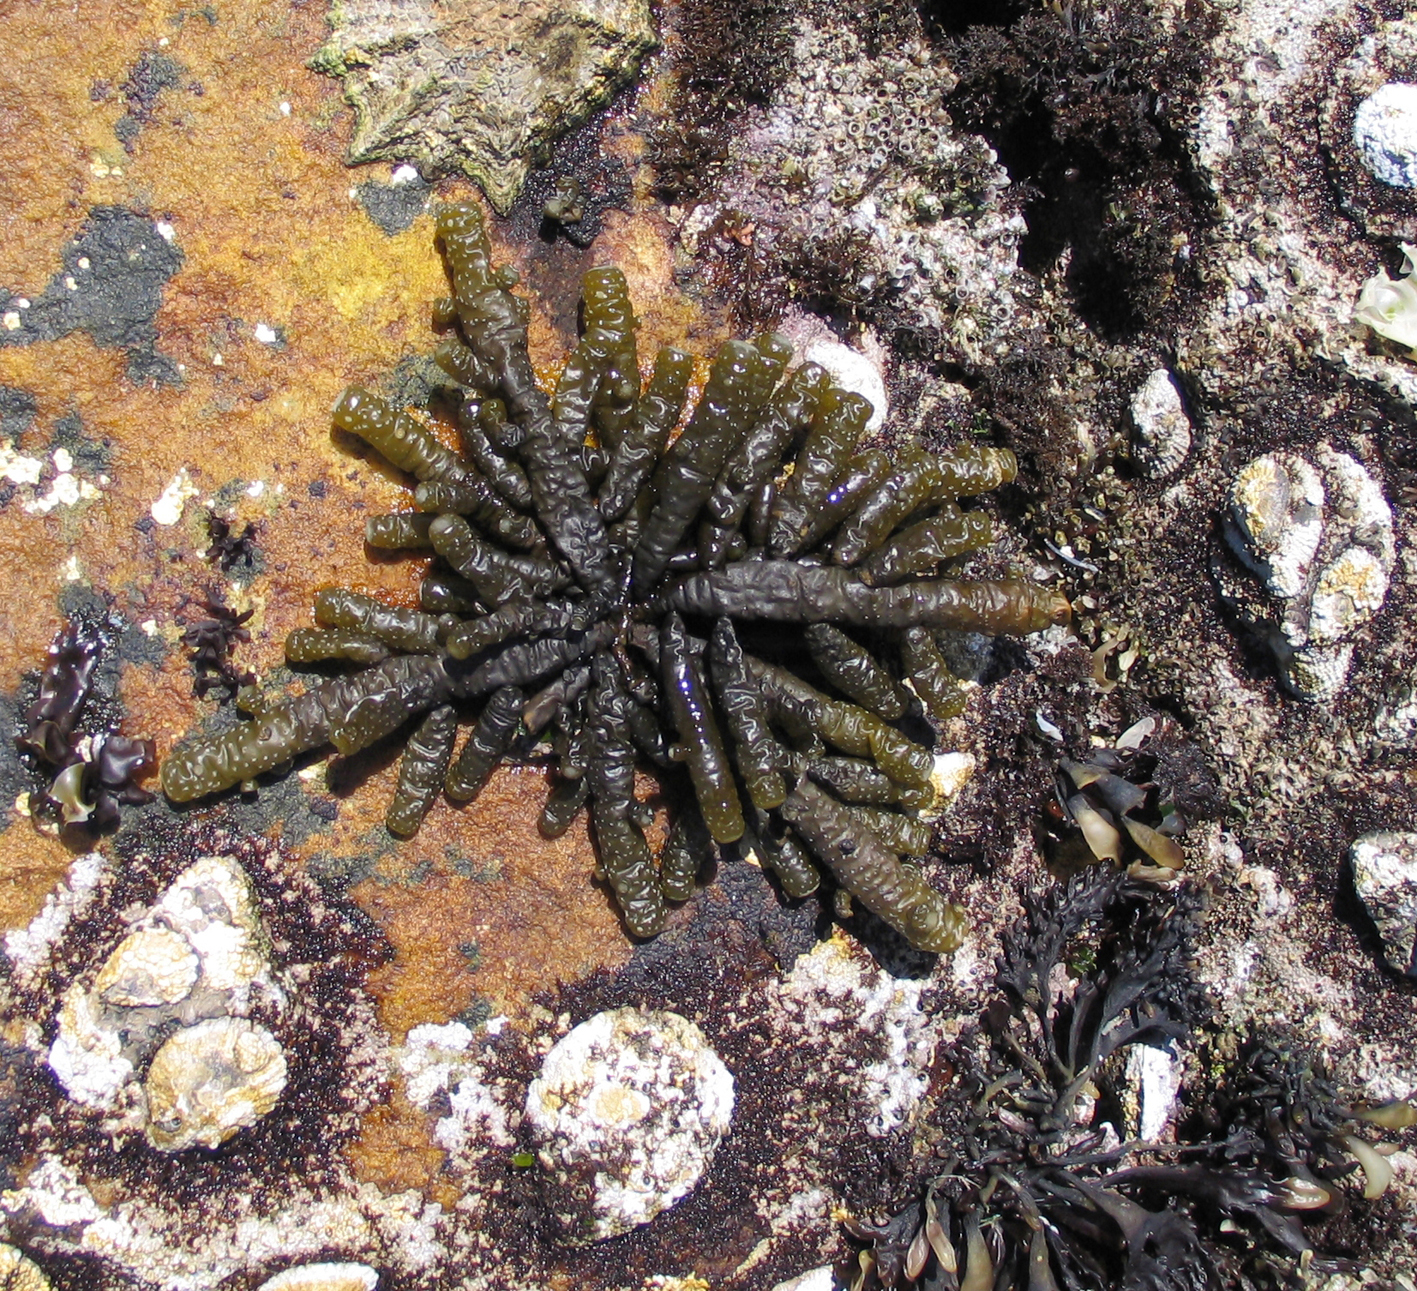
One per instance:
(616, 593)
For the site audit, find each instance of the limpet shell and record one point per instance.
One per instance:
(626, 1114)
(149, 967)
(210, 1080)
(1276, 505)
(1161, 431)
(323, 1277)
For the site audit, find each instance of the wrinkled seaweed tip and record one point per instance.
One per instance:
(1060, 611)
(941, 936)
(350, 406)
(459, 220)
(179, 778)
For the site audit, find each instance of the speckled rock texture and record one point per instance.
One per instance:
(1133, 242)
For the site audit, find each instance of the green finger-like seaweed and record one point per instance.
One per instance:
(606, 596)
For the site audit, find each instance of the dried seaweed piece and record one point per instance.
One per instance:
(49, 722)
(230, 549)
(211, 640)
(422, 770)
(870, 872)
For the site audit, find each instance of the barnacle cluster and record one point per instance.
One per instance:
(721, 602)
(1044, 1186)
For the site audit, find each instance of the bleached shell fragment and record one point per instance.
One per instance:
(323, 1277)
(626, 1114)
(1385, 878)
(1318, 673)
(1389, 305)
(20, 1273)
(949, 773)
(1277, 505)
(210, 1080)
(211, 904)
(149, 967)
(1161, 438)
(1385, 134)
(1349, 591)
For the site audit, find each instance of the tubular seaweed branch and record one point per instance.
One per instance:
(592, 579)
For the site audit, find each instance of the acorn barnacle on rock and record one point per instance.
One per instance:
(742, 601)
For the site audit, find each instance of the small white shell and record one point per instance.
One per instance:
(209, 1080)
(1161, 438)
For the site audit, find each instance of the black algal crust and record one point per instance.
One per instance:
(591, 582)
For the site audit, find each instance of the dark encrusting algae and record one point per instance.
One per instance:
(621, 593)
